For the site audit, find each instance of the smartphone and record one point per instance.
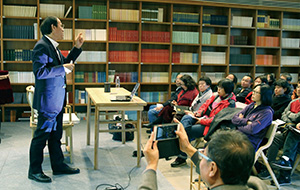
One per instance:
(165, 131)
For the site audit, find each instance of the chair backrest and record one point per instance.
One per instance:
(269, 136)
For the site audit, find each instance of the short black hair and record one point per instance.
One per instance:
(266, 93)
(206, 80)
(227, 84)
(188, 81)
(263, 79)
(284, 84)
(251, 78)
(288, 76)
(46, 25)
(234, 155)
(234, 78)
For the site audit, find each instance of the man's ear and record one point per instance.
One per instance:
(213, 169)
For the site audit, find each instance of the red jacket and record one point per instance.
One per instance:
(248, 99)
(227, 102)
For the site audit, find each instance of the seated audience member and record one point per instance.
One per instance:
(288, 78)
(262, 79)
(271, 80)
(155, 109)
(296, 92)
(197, 125)
(184, 98)
(289, 140)
(255, 118)
(233, 78)
(225, 163)
(281, 98)
(205, 93)
(243, 91)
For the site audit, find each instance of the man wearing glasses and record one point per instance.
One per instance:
(225, 163)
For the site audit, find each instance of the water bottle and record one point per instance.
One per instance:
(117, 82)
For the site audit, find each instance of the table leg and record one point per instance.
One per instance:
(138, 141)
(96, 143)
(88, 121)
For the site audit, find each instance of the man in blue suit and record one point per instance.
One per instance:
(50, 68)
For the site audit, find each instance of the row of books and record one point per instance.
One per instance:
(155, 55)
(20, 31)
(80, 96)
(194, 75)
(92, 12)
(290, 42)
(213, 57)
(155, 15)
(57, 10)
(123, 35)
(182, 57)
(186, 17)
(92, 76)
(215, 19)
(155, 36)
(264, 21)
(21, 77)
(123, 56)
(20, 11)
(17, 55)
(291, 23)
(185, 37)
(214, 76)
(124, 14)
(127, 76)
(20, 98)
(154, 96)
(245, 59)
(267, 41)
(92, 34)
(290, 60)
(92, 56)
(266, 60)
(243, 21)
(239, 40)
(155, 77)
(68, 34)
(215, 39)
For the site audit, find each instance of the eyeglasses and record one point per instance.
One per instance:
(201, 155)
(62, 25)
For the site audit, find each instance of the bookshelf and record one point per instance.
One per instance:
(150, 42)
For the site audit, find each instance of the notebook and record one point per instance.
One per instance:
(125, 98)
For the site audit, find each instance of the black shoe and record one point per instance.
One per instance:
(178, 162)
(67, 170)
(147, 125)
(148, 131)
(168, 158)
(134, 154)
(282, 164)
(264, 175)
(283, 180)
(39, 177)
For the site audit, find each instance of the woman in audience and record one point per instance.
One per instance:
(262, 79)
(254, 119)
(197, 125)
(281, 97)
(233, 78)
(184, 98)
(296, 92)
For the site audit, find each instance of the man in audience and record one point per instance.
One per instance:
(296, 92)
(289, 140)
(155, 109)
(281, 97)
(225, 163)
(288, 78)
(244, 90)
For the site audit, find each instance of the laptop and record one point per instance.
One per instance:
(125, 98)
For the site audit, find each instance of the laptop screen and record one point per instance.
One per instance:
(136, 87)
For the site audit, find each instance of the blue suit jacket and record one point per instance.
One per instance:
(49, 94)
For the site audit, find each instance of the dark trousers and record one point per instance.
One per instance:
(38, 144)
(289, 141)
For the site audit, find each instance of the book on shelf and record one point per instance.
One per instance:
(213, 57)
(266, 60)
(19, 11)
(182, 57)
(123, 35)
(185, 37)
(123, 56)
(214, 19)
(85, 12)
(154, 96)
(155, 55)
(21, 77)
(124, 14)
(242, 21)
(17, 55)
(57, 10)
(291, 23)
(290, 60)
(267, 41)
(245, 59)
(92, 34)
(186, 17)
(290, 42)
(155, 36)
(92, 56)
(19, 31)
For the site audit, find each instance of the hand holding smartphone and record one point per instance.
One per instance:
(165, 131)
